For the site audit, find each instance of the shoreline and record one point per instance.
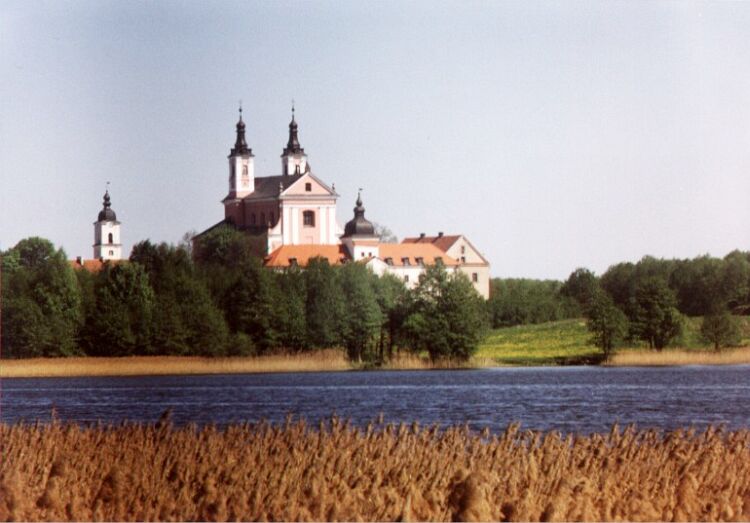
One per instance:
(330, 360)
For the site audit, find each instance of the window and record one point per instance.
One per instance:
(405, 261)
(111, 253)
(406, 278)
(262, 218)
(308, 187)
(463, 249)
(474, 277)
(463, 259)
(308, 218)
(438, 260)
(252, 219)
(389, 261)
(420, 261)
(363, 254)
(292, 262)
(111, 240)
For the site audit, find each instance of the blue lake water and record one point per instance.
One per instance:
(569, 399)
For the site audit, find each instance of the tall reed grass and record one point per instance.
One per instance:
(337, 472)
(323, 360)
(671, 357)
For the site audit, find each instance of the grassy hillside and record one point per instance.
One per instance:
(551, 343)
(568, 342)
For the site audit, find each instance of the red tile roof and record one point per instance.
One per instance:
(426, 251)
(282, 256)
(89, 265)
(441, 242)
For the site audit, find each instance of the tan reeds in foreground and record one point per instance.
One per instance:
(670, 357)
(323, 360)
(384, 473)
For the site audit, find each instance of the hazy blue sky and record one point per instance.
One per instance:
(553, 134)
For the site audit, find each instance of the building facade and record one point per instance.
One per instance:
(293, 216)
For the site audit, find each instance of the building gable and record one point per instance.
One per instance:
(308, 185)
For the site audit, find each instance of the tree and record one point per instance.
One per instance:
(42, 309)
(385, 234)
(363, 317)
(324, 307)
(186, 320)
(654, 317)
(251, 306)
(447, 317)
(291, 309)
(606, 322)
(580, 286)
(620, 281)
(122, 323)
(720, 329)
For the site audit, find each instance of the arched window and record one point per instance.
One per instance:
(252, 219)
(308, 218)
(262, 218)
(111, 240)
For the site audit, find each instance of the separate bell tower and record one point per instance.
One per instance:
(107, 244)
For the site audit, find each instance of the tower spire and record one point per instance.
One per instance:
(240, 145)
(293, 146)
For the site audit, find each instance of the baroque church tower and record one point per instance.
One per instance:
(107, 244)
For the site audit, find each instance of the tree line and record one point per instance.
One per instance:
(221, 301)
(643, 302)
(647, 301)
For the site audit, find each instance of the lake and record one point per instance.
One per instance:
(568, 399)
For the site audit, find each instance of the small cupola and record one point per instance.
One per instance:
(107, 214)
(359, 225)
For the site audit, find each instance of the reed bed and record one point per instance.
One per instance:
(670, 357)
(323, 360)
(337, 472)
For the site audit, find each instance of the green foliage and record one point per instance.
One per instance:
(290, 305)
(720, 329)
(42, 306)
(122, 321)
(606, 322)
(363, 317)
(580, 286)
(251, 306)
(654, 317)
(447, 317)
(324, 306)
(522, 301)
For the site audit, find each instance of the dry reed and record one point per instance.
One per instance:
(672, 357)
(381, 472)
(324, 360)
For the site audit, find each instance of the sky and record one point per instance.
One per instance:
(553, 135)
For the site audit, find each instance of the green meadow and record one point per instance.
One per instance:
(568, 342)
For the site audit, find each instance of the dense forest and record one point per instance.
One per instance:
(220, 301)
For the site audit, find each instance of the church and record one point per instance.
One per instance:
(292, 217)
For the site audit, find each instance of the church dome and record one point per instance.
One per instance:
(359, 225)
(107, 214)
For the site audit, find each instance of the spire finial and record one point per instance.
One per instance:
(240, 110)
(292, 109)
(359, 197)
